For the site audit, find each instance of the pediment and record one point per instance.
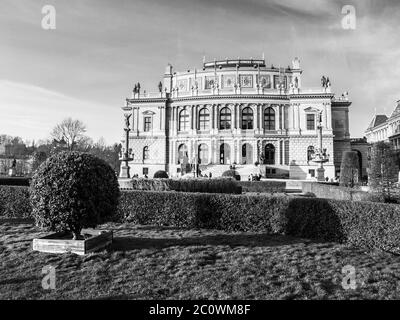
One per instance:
(311, 109)
(148, 113)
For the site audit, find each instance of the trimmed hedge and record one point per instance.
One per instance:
(72, 190)
(161, 174)
(15, 181)
(263, 186)
(357, 223)
(14, 202)
(231, 174)
(365, 224)
(329, 191)
(187, 185)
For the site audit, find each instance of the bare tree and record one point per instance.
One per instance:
(72, 132)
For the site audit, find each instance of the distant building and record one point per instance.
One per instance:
(237, 112)
(383, 128)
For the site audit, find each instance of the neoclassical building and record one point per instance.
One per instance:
(237, 112)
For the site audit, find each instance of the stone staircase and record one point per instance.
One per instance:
(217, 170)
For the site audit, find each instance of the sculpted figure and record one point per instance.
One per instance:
(127, 116)
(323, 82)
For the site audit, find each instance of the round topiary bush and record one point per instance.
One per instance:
(73, 190)
(231, 174)
(161, 174)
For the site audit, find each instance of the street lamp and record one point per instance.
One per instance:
(127, 155)
(320, 155)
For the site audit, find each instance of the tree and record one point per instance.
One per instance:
(72, 132)
(74, 190)
(383, 167)
(349, 169)
(110, 154)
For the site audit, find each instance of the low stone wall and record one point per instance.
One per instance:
(329, 191)
(263, 186)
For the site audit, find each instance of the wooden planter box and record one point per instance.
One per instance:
(60, 242)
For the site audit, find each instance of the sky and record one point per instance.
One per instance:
(87, 66)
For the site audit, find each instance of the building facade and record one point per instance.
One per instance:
(384, 128)
(237, 112)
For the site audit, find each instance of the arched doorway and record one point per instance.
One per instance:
(247, 153)
(224, 154)
(269, 154)
(183, 158)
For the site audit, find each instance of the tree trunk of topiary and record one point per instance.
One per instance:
(76, 235)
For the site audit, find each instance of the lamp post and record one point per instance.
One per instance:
(127, 155)
(320, 155)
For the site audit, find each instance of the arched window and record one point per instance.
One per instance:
(203, 153)
(269, 154)
(247, 118)
(182, 154)
(204, 119)
(269, 119)
(225, 119)
(310, 153)
(146, 154)
(183, 120)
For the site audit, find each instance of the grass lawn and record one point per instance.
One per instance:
(167, 263)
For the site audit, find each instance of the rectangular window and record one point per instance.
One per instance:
(146, 171)
(310, 121)
(312, 173)
(147, 123)
(276, 81)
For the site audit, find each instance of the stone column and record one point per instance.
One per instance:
(234, 115)
(137, 120)
(239, 117)
(255, 119)
(171, 121)
(277, 121)
(133, 119)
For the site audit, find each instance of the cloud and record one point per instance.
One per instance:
(31, 112)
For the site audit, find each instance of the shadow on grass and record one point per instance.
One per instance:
(234, 240)
(18, 280)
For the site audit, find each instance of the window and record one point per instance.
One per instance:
(310, 121)
(147, 123)
(244, 151)
(311, 172)
(145, 171)
(225, 119)
(183, 120)
(269, 119)
(146, 153)
(247, 118)
(204, 119)
(310, 153)
(203, 153)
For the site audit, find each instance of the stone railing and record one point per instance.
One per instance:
(230, 91)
